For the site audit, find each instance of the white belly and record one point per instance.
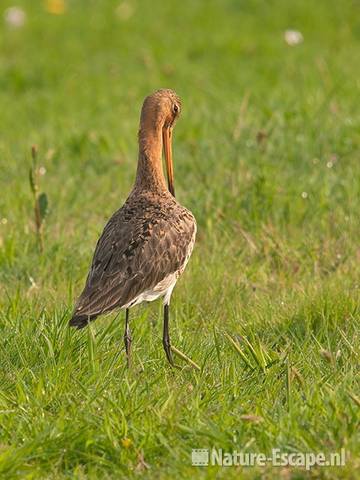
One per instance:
(162, 289)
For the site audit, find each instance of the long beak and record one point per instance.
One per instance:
(167, 133)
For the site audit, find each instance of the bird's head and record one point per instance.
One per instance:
(160, 112)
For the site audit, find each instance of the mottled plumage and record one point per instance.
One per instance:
(146, 244)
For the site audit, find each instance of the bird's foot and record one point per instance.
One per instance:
(167, 348)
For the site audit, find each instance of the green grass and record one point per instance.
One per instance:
(276, 265)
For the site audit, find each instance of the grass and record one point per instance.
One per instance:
(267, 158)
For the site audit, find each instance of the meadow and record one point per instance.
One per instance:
(266, 156)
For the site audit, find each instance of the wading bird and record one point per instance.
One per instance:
(146, 244)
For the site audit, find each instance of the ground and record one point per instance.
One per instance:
(266, 156)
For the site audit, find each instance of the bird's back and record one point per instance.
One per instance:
(146, 240)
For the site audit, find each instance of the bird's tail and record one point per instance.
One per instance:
(81, 321)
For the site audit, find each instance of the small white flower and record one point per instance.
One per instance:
(42, 170)
(329, 164)
(4, 221)
(293, 37)
(15, 17)
(304, 194)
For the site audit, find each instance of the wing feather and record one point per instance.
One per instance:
(139, 247)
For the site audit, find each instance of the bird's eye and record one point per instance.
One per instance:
(175, 108)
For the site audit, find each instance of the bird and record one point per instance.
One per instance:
(146, 244)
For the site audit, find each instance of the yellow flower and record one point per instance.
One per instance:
(56, 7)
(126, 442)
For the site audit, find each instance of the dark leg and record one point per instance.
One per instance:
(166, 338)
(127, 337)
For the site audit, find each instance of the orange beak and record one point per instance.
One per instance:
(167, 134)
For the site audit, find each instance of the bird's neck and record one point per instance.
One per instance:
(150, 175)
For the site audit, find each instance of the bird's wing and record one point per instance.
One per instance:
(133, 255)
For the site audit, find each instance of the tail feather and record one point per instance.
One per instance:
(81, 321)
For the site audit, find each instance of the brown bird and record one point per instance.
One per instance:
(146, 244)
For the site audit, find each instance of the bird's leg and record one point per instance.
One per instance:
(127, 337)
(166, 338)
